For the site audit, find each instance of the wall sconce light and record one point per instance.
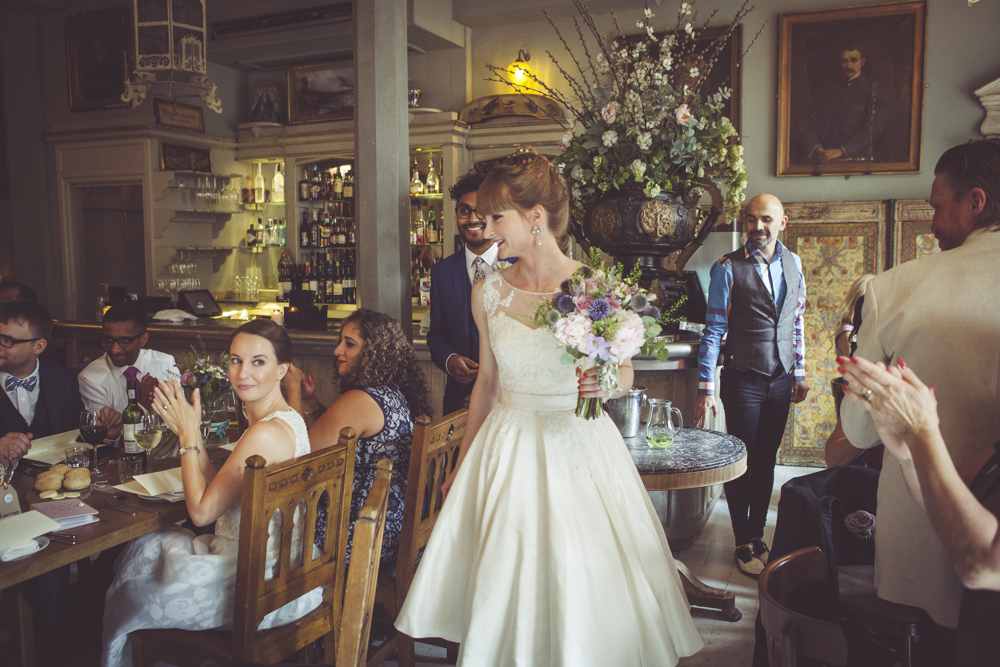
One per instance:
(519, 71)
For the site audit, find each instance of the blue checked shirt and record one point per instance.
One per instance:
(719, 302)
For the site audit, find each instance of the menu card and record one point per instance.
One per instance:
(52, 449)
(68, 513)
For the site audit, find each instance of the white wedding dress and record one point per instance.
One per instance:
(173, 579)
(547, 551)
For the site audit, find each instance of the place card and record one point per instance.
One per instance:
(165, 483)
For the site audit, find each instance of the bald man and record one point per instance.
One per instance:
(758, 295)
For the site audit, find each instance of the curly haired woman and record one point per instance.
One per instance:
(382, 391)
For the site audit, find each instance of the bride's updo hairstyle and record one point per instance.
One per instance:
(521, 181)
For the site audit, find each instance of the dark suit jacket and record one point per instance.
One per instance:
(452, 330)
(58, 408)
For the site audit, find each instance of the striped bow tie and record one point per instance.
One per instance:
(13, 383)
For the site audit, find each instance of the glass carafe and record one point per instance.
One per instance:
(660, 428)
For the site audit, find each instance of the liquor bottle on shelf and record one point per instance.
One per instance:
(432, 228)
(278, 185)
(304, 232)
(259, 233)
(416, 187)
(314, 184)
(421, 226)
(325, 186)
(324, 231)
(338, 185)
(314, 277)
(338, 283)
(258, 186)
(304, 186)
(349, 185)
(432, 185)
(315, 230)
(282, 233)
(284, 277)
(251, 239)
(350, 231)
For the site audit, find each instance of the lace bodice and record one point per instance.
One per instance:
(529, 359)
(228, 524)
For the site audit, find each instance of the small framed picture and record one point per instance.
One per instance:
(98, 57)
(180, 116)
(318, 93)
(850, 90)
(174, 157)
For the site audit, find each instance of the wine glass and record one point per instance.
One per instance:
(148, 435)
(94, 429)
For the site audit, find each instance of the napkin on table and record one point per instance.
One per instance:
(18, 532)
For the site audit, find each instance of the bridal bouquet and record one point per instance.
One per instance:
(199, 371)
(604, 318)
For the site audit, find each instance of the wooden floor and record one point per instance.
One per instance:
(710, 559)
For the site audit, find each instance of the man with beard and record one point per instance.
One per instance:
(453, 338)
(850, 117)
(758, 294)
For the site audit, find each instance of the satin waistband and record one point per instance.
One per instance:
(544, 402)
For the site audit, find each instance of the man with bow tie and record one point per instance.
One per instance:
(40, 398)
(453, 338)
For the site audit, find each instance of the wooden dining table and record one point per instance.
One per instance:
(113, 528)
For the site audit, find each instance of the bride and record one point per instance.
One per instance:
(172, 579)
(548, 550)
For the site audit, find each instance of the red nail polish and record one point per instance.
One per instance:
(902, 364)
(840, 369)
(854, 360)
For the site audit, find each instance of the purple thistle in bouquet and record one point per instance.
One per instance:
(603, 318)
(199, 371)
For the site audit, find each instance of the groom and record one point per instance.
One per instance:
(453, 338)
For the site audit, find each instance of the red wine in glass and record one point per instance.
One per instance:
(94, 435)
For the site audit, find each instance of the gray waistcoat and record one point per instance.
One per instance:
(759, 336)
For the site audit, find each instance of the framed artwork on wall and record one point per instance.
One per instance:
(850, 90)
(323, 92)
(180, 116)
(174, 157)
(912, 237)
(98, 58)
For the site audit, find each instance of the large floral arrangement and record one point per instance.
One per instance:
(642, 117)
(603, 318)
(199, 371)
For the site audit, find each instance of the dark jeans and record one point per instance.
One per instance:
(756, 413)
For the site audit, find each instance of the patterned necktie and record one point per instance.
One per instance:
(13, 383)
(479, 273)
(131, 373)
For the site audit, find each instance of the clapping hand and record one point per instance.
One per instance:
(113, 420)
(297, 382)
(171, 404)
(901, 406)
(13, 446)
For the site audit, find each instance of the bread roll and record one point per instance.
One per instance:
(61, 468)
(76, 482)
(48, 483)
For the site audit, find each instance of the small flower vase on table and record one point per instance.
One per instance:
(215, 422)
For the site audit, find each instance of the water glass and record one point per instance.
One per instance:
(80, 456)
(129, 466)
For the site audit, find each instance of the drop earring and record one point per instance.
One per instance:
(536, 231)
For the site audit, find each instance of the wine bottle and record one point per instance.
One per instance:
(338, 185)
(132, 414)
(304, 230)
(432, 228)
(349, 185)
(258, 186)
(314, 185)
(278, 185)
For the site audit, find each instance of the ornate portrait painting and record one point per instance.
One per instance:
(98, 48)
(850, 90)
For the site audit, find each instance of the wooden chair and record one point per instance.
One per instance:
(432, 458)
(362, 576)
(266, 490)
(791, 634)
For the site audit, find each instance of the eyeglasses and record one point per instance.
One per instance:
(7, 341)
(464, 211)
(123, 341)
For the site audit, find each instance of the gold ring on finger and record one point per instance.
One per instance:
(868, 395)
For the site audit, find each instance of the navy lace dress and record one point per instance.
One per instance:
(392, 442)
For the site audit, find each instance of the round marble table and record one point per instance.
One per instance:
(697, 458)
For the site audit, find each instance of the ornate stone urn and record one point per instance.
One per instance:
(642, 230)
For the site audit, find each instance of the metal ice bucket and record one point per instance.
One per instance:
(626, 410)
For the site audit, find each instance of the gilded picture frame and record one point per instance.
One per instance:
(176, 157)
(179, 116)
(320, 93)
(98, 58)
(850, 90)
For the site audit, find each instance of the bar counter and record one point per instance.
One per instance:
(79, 342)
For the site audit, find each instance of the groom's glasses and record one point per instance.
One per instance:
(464, 211)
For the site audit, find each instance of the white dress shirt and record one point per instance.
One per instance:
(102, 383)
(489, 261)
(24, 400)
